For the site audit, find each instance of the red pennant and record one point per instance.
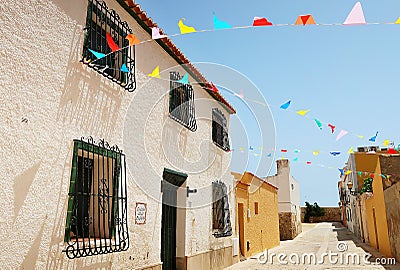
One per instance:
(391, 151)
(372, 175)
(332, 127)
(261, 22)
(308, 162)
(283, 150)
(214, 89)
(113, 46)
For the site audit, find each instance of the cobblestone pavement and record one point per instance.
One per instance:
(323, 240)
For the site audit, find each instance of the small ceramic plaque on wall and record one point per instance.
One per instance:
(140, 213)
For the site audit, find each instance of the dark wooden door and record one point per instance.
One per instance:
(168, 229)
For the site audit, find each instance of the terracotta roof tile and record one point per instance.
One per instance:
(179, 55)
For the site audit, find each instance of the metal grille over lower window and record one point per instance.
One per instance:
(97, 204)
(104, 27)
(221, 217)
(220, 130)
(181, 102)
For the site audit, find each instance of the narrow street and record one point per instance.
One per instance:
(333, 245)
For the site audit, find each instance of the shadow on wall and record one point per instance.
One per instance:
(33, 253)
(89, 101)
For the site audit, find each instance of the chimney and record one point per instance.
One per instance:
(282, 167)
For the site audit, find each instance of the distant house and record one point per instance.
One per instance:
(288, 200)
(257, 223)
(101, 165)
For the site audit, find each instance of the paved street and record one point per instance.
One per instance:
(324, 241)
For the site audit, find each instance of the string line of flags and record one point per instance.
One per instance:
(355, 17)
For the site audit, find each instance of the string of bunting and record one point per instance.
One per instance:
(355, 17)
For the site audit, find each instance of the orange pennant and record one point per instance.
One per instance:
(133, 40)
(304, 20)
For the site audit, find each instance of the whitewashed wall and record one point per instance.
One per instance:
(43, 82)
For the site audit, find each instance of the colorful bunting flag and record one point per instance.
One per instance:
(335, 153)
(155, 33)
(308, 162)
(383, 176)
(124, 68)
(184, 79)
(295, 159)
(332, 127)
(305, 20)
(341, 134)
(351, 150)
(184, 28)
(260, 21)
(251, 148)
(284, 150)
(356, 15)
(214, 88)
(269, 155)
(285, 105)
(359, 173)
(155, 73)
(241, 94)
(113, 46)
(348, 172)
(133, 40)
(341, 172)
(319, 124)
(386, 142)
(373, 138)
(97, 54)
(296, 151)
(391, 151)
(220, 24)
(315, 153)
(360, 136)
(241, 148)
(398, 21)
(303, 112)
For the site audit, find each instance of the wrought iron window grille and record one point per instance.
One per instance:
(96, 220)
(221, 217)
(181, 102)
(219, 130)
(101, 20)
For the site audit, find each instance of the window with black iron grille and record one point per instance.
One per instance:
(181, 102)
(97, 204)
(220, 130)
(221, 217)
(105, 33)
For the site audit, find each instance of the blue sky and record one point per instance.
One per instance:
(346, 75)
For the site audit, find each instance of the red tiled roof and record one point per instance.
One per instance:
(148, 23)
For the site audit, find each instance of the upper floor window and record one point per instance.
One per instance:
(221, 217)
(220, 130)
(106, 47)
(97, 204)
(181, 102)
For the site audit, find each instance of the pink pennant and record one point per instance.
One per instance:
(155, 33)
(356, 15)
(241, 95)
(341, 134)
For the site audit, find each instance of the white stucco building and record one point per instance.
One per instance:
(288, 200)
(69, 200)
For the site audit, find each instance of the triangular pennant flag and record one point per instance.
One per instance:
(360, 136)
(155, 33)
(296, 151)
(335, 153)
(383, 176)
(97, 54)
(286, 105)
(341, 134)
(386, 142)
(214, 88)
(351, 150)
(184, 28)
(391, 151)
(133, 40)
(398, 21)
(303, 112)
(284, 150)
(241, 94)
(359, 173)
(113, 46)
(315, 153)
(220, 24)
(356, 15)
(185, 79)
(269, 155)
(373, 138)
(332, 127)
(295, 159)
(319, 124)
(155, 73)
(259, 21)
(348, 172)
(305, 20)
(251, 148)
(308, 162)
(341, 172)
(124, 68)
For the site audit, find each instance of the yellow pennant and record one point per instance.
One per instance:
(155, 73)
(303, 112)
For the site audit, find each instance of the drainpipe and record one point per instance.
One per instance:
(361, 220)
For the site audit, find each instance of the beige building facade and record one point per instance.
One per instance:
(72, 200)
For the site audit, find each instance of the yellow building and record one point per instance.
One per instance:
(257, 220)
(375, 208)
